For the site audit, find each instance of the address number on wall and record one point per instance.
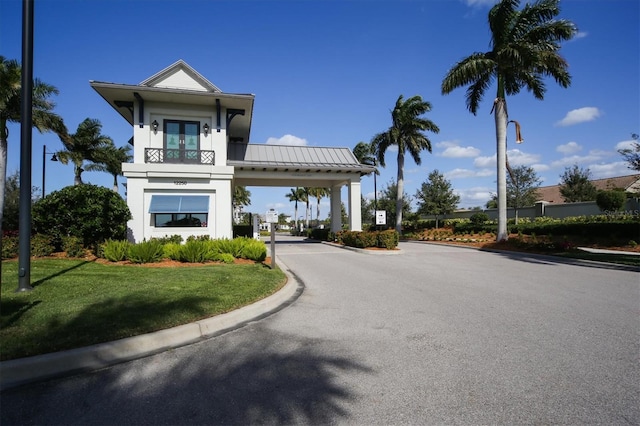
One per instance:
(179, 182)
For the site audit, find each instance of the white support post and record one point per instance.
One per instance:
(336, 213)
(355, 214)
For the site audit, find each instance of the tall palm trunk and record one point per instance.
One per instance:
(399, 197)
(500, 111)
(3, 167)
(77, 180)
(295, 215)
(318, 210)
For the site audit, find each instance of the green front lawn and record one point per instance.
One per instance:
(77, 303)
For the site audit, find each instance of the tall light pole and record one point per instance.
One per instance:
(44, 165)
(26, 128)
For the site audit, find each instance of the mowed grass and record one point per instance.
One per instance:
(77, 303)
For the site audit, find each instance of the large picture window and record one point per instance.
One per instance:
(182, 141)
(174, 211)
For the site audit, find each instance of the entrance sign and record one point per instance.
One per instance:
(272, 216)
(381, 217)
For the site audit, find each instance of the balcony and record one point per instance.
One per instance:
(178, 156)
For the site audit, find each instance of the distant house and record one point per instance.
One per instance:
(631, 184)
(191, 148)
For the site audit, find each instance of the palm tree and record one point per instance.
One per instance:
(86, 144)
(318, 193)
(295, 195)
(525, 48)
(241, 197)
(10, 111)
(306, 195)
(110, 159)
(406, 134)
(365, 154)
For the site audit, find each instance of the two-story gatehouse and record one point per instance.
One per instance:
(191, 146)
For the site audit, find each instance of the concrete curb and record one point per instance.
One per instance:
(42, 367)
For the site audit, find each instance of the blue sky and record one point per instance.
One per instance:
(327, 73)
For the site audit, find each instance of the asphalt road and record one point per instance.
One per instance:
(434, 335)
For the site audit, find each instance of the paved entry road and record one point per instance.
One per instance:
(435, 335)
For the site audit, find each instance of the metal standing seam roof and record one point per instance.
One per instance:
(275, 156)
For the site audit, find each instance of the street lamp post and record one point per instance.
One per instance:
(44, 165)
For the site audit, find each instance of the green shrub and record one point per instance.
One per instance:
(479, 218)
(360, 239)
(10, 247)
(177, 239)
(254, 250)
(198, 238)
(115, 250)
(146, 252)
(224, 258)
(171, 251)
(320, 234)
(195, 251)
(233, 247)
(92, 213)
(611, 201)
(41, 245)
(73, 247)
(388, 239)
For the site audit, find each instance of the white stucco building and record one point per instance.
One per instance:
(191, 146)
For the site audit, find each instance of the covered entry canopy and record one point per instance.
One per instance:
(307, 166)
(284, 165)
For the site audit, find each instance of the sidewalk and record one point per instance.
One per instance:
(604, 251)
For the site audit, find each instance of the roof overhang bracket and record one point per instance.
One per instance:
(218, 115)
(140, 109)
(125, 104)
(232, 113)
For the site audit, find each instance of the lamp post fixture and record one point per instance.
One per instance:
(44, 165)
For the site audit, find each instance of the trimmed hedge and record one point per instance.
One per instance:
(364, 239)
(597, 230)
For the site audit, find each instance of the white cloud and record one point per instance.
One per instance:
(276, 206)
(580, 115)
(483, 162)
(453, 150)
(473, 197)
(569, 148)
(466, 173)
(287, 140)
(540, 167)
(481, 2)
(593, 156)
(601, 171)
(515, 156)
(580, 34)
(630, 144)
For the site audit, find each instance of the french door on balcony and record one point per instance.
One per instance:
(181, 141)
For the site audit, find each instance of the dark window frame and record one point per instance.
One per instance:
(183, 155)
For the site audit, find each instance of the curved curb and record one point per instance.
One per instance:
(58, 364)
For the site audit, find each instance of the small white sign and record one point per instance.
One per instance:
(272, 216)
(381, 217)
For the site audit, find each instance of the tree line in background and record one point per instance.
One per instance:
(87, 144)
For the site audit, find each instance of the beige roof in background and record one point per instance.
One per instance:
(631, 183)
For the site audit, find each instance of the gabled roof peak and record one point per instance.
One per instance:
(180, 75)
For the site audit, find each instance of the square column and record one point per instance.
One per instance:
(355, 205)
(336, 211)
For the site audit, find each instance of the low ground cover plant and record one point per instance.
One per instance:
(195, 250)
